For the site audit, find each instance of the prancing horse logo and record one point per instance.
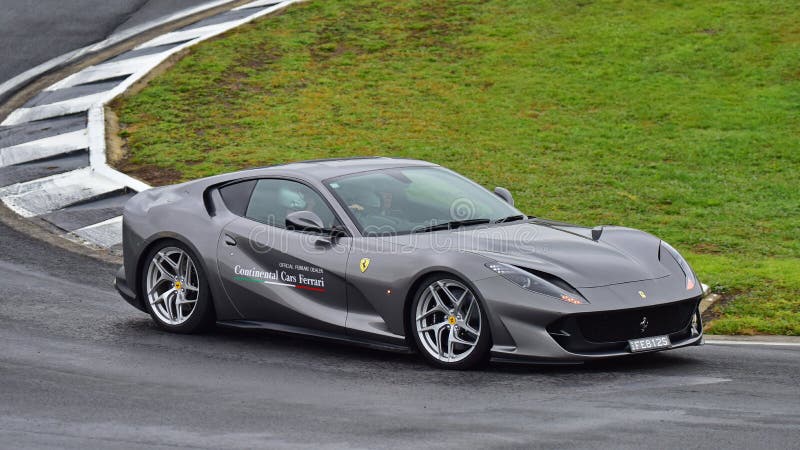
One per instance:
(643, 324)
(364, 264)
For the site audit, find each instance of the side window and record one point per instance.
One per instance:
(237, 196)
(273, 199)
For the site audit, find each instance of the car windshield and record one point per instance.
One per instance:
(415, 199)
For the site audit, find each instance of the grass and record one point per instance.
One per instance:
(677, 117)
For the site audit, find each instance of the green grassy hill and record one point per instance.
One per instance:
(677, 117)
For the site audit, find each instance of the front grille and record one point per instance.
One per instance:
(611, 330)
(618, 326)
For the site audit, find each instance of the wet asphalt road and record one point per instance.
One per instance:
(32, 32)
(80, 368)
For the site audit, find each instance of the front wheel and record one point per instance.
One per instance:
(449, 325)
(175, 289)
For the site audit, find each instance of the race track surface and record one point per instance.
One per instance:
(32, 32)
(80, 368)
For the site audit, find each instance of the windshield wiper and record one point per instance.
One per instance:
(511, 219)
(451, 225)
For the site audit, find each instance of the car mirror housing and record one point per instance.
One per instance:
(505, 194)
(338, 231)
(304, 221)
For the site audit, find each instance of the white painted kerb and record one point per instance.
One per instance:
(45, 195)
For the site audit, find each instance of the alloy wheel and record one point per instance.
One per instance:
(172, 285)
(448, 321)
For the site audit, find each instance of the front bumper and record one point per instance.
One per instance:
(506, 355)
(531, 327)
(603, 333)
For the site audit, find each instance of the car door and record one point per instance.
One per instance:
(282, 276)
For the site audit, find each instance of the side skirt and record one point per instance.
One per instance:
(335, 337)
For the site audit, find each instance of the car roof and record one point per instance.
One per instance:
(322, 169)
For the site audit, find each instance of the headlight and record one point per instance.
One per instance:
(691, 281)
(531, 282)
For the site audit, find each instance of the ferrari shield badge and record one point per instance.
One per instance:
(641, 293)
(364, 264)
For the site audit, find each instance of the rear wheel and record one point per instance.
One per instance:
(175, 289)
(449, 325)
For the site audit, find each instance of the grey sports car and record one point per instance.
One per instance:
(402, 255)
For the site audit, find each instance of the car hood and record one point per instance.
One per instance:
(619, 255)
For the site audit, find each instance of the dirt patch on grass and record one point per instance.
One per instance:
(114, 145)
(706, 248)
(119, 157)
(155, 176)
(328, 50)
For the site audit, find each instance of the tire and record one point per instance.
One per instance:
(175, 289)
(449, 324)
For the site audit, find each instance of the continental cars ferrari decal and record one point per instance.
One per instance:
(290, 275)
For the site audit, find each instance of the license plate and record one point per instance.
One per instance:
(649, 344)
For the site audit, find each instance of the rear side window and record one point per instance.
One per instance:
(273, 199)
(237, 196)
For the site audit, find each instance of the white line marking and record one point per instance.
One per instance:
(255, 4)
(32, 73)
(764, 343)
(97, 152)
(43, 148)
(51, 193)
(111, 221)
(185, 35)
(58, 109)
(105, 234)
(109, 70)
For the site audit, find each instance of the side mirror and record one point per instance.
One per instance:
(304, 221)
(338, 231)
(505, 194)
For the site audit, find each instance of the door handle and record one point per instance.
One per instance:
(323, 242)
(230, 241)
